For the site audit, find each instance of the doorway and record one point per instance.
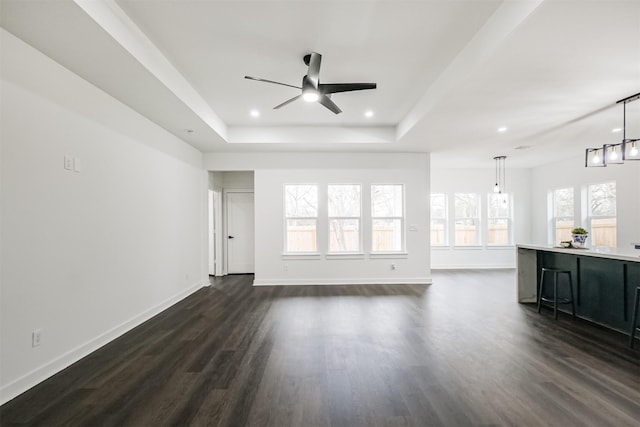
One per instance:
(240, 231)
(215, 232)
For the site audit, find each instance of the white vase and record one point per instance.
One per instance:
(579, 240)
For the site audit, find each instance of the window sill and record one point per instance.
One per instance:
(500, 247)
(345, 256)
(302, 256)
(469, 247)
(389, 255)
(441, 247)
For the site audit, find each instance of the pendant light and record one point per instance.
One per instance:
(616, 154)
(500, 185)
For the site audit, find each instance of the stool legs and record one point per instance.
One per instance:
(573, 301)
(556, 299)
(540, 291)
(634, 321)
(555, 295)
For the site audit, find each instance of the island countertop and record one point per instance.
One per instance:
(609, 253)
(603, 281)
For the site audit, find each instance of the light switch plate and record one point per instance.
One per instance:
(77, 164)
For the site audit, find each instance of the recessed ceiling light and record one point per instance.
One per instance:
(616, 130)
(522, 147)
(502, 129)
(368, 113)
(255, 113)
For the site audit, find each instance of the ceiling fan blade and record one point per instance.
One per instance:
(324, 100)
(313, 73)
(344, 87)
(270, 81)
(286, 102)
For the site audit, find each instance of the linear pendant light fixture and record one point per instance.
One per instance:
(616, 154)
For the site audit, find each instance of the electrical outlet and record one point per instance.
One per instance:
(68, 162)
(393, 266)
(286, 267)
(36, 337)
(77, 164)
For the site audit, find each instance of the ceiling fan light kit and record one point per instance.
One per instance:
(616, 154)
(314, 91)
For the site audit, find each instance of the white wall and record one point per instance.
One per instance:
(231, 180)
(273, 170)
(481, 181)
(572, 173)
(86, 255)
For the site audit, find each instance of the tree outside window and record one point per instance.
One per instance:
(467, 219)
(603, 214)
(499, 219)
(387, 218)
(563, 214)
(438, 219)
(301, 212)
(344, 217)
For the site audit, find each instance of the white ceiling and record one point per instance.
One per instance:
(449, 72)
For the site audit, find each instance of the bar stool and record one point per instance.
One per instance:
(556, 300)
(634, 322)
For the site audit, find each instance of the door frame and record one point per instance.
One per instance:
(225, 207)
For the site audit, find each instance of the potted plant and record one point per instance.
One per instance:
(579, 237)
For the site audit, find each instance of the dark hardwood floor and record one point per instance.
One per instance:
(456, 353)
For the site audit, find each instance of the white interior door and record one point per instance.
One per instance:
(212, 234)
(240, 232)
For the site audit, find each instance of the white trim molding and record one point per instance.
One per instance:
(372, 281)
(56, 365)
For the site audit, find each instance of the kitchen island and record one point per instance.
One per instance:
(604, 282)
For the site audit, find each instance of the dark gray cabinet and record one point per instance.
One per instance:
(603, 287)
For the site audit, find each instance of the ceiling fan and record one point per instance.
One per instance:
(313, 90)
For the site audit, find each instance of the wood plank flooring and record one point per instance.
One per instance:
(460, 352)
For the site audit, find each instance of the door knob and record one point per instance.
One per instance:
(231, 237)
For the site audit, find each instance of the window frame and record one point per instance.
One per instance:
(306, 218)
(373, 218)
(555, 218)
(444, 219)
(358, 218)
(590, 217)
(509, 219)
(478, 219)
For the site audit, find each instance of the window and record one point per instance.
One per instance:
(438, 219)
(499, 219)
(387, 218)
(563, 214)
(602, 214)
(467, 218)
(344, 218)
(301, 212)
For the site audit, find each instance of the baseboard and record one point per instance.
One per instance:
(38, 375)
(473, 267)
(372, 281)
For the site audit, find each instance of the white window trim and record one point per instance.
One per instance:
(403, 239)
(590, 217)
(509, 223)
(359, 218)
(345, 255)
(479, 240)
(445, 220)
(389, 255)
(301, 256)
(553, 219)
(287, 218)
